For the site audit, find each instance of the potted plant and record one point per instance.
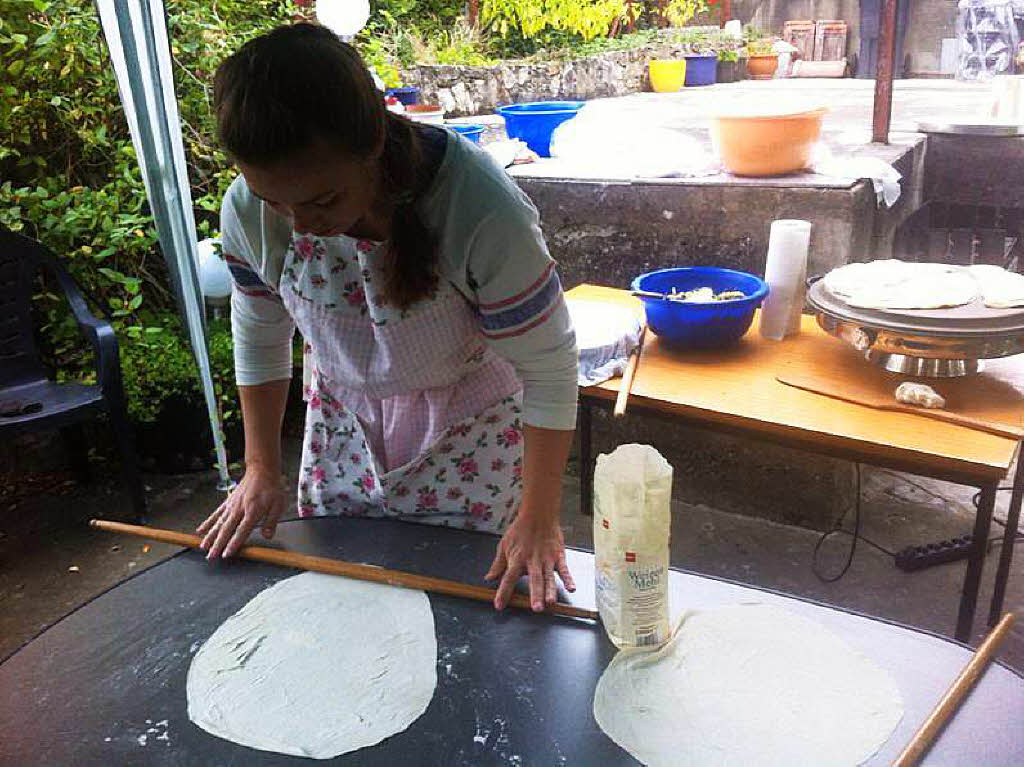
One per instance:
(731, 65)
(762, 60)
(701, 59)
(667, 75)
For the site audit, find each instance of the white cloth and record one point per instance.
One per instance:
(491, 251)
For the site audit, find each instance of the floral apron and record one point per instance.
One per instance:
(409, 414)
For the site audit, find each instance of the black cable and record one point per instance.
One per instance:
(837, 528)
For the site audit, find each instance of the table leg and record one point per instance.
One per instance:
(586, 461)
(975, 562)
(1009, 536)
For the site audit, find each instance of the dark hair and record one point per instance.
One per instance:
(283, 90)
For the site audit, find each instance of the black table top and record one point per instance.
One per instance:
(107, 683)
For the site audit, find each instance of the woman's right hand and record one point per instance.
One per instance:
(257, 500)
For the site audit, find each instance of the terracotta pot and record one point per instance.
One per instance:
(766, 144)
(762, 67)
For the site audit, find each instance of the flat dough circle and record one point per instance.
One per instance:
(748, 684)
(317, 666)
(893, 284)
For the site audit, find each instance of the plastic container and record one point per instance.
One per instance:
(408, 95)
(786, 274)
(667, 75)
(471, 131)
(700, 325)
(535, 122)
(632, 522)
(701, 70)
(766, 144)
(425, 113)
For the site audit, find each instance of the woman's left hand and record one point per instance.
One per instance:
(531, 546)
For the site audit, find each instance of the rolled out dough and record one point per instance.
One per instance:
(893, 284)
(317, 666)
(744, 685)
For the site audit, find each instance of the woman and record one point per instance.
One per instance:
(443, 383)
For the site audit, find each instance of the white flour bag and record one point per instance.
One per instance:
(632, 517)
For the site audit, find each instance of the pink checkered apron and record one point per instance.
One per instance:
(409, 414)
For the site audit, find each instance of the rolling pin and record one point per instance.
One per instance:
(346, 569)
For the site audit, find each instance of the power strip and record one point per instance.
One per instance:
(926, 555)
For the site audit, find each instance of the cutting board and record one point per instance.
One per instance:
(878, 392)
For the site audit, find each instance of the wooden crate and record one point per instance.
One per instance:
(800, 34)
(830, 41)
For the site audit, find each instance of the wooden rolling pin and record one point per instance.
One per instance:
(346, 569)
(954, 696)
(627, 378)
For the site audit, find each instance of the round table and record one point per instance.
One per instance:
(106, 685)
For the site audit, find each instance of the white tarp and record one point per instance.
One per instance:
(136, 35)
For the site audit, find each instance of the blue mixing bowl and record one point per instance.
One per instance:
(471, 131)
(535, 122)
(703, 325)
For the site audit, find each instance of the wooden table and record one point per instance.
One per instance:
(734, 391)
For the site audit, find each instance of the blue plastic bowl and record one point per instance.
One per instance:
(701, 326)
(407, 96)
(701, 70)
(470, 130)
(535, 122)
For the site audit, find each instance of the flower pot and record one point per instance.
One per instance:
(408, 95)
(701, 70)
(425, 113)
(731, 71)
(667, 75)
(762, 67)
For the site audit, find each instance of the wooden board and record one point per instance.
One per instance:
(736, 389)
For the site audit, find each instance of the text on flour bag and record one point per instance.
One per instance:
(632, 516)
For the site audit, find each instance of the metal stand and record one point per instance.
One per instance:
(1009, 538)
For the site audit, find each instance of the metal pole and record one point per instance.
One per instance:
(883, 75)
(724, 12)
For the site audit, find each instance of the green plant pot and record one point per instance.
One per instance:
(732, 71)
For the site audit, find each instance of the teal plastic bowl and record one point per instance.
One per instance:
(471, 131)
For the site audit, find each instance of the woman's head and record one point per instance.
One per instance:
(298, 111)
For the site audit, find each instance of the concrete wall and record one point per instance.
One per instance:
(929, 22)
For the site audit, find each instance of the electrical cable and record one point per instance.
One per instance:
(837, 529)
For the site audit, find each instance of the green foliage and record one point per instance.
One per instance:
(159, 367)
(586, 18)
(679, 13)
(71, 178)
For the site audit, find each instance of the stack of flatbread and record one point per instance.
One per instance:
(893, 284)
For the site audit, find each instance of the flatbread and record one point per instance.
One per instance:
(748, 685)
(1000, 289)
(893, 284)
(317, 666)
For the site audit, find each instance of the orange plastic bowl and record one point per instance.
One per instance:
(764, 144)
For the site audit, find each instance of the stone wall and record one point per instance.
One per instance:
(463, 91)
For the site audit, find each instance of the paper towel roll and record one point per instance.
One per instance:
(786, 275)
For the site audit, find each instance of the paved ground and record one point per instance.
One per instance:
(51, 562)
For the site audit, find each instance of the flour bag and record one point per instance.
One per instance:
(632, 517)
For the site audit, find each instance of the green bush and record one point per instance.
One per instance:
(160, 367)
(72, 181)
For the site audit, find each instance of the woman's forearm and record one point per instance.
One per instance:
(545, 452)
(262, 415)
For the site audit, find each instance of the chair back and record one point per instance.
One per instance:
(20, 259)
